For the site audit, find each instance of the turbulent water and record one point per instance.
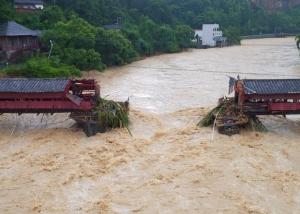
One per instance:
(167, 83)
(168, 165)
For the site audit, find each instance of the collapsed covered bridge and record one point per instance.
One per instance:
(253, 97)
(78, 97)
(268, 96)
(47, 95)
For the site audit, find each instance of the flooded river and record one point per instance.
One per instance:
(167, 83)
(168, 164)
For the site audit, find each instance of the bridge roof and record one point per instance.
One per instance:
(23, 85)
(28, 2)
(272, 86)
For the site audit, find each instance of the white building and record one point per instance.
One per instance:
(210, 36)
(28, 5)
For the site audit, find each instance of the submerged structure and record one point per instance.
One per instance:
(254, 97)
(81, 98)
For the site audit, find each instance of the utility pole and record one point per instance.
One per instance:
(51, 47)
(119, 18)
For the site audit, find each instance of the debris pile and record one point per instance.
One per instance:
(113, 114)
(228, 119)
(106, 115)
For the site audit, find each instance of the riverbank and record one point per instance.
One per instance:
(269, 36)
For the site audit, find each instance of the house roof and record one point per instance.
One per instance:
(272, 86)
(23, 85)
(28, 2)
(12, 28)
(112, 27)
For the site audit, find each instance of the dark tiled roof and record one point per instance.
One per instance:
(21, 85)
(28, 2)
(112, 27)
(272, 86)
(12, 28)
(39, 33)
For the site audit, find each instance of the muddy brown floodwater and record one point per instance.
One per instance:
(169, 165)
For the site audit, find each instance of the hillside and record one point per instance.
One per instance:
(274, 5)
(147, 27)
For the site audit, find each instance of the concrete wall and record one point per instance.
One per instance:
(208, 34)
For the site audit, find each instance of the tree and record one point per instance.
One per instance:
(184, 36)
(132, 33)
(50, 16)
(30, 20)
(41, 67)
(83, 59)
(165, 39)
(74, 33)
(74, 42)
(233, 35)
(147, 28)
(114, 47)
(6, 11)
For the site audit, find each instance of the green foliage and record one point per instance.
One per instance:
(74, 33)
(209, 119)
(41, 20)
(184, 36)
(113, 114)
(165, 39)
(149, 26)
(96, 12)
(6, 11)
(148, 37)
(40, 67)
(114, 47)
(83, 59)
(30, 20)
(233, 35)
(132, 33)
(50, 16)
(74, 42)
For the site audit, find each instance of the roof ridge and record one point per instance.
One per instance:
(272, 86)
(269, 79)
(12, 28)
(24, 78)
(33, 85)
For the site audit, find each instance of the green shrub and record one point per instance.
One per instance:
(165, 40)
(83, 59)
(184, 36)
(74, 33)
(6, 11)
(115, 48)
(233, 35)
(140, 45)
(74, 41)
(39, 67)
